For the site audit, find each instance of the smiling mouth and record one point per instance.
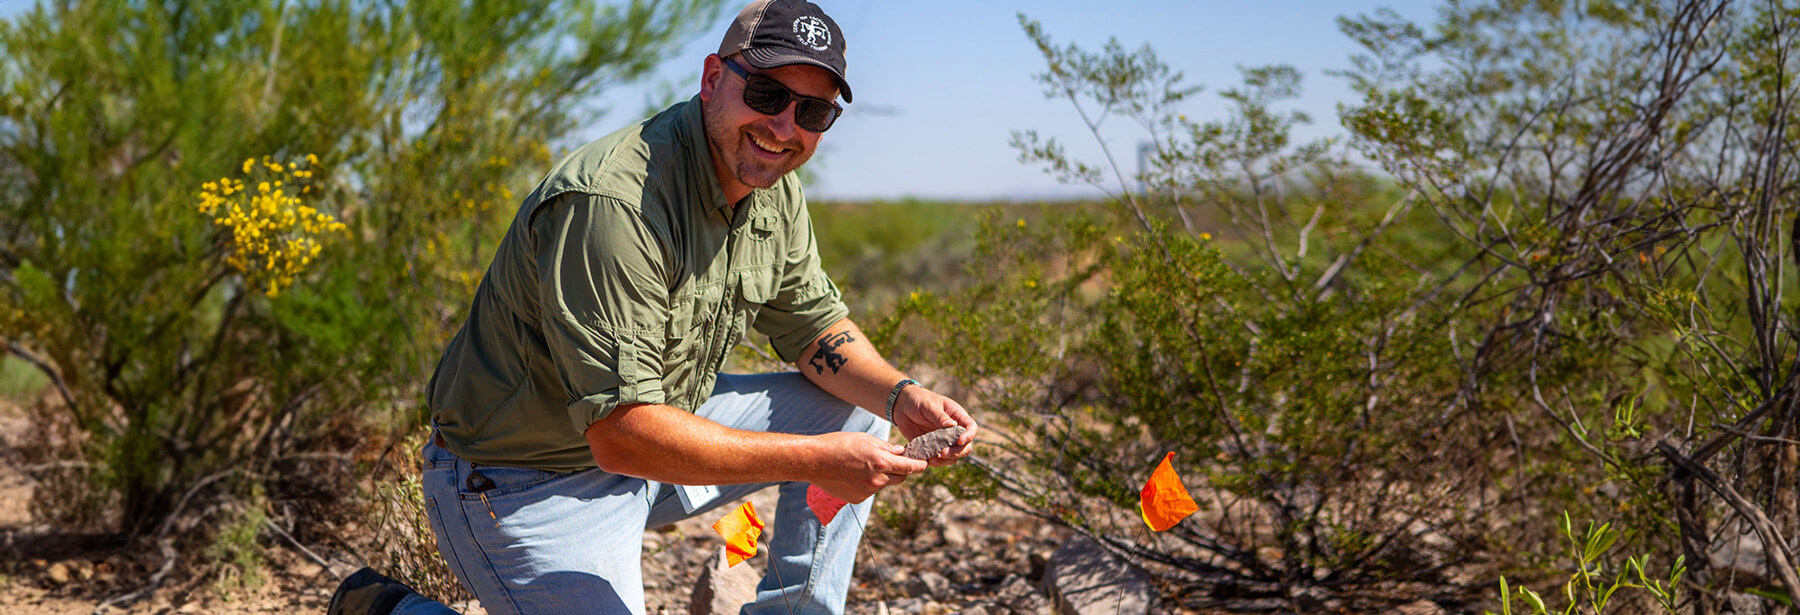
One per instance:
(766, 146)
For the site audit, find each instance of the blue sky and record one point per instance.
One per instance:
(951, 80)
(942, 84)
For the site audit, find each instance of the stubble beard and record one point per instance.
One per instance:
(729, 141)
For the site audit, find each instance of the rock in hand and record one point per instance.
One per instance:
(929, 445)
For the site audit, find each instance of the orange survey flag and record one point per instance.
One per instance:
(741, 528)
(1164, 501)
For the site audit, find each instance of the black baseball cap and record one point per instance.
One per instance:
(771, 33)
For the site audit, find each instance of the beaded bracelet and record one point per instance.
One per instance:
(894, 396)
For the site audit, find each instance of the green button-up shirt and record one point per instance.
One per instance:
(625, 278)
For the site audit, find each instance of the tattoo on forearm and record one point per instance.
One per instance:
(828, 356)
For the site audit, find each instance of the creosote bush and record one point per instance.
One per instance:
(1627, 172)
(1563, 297)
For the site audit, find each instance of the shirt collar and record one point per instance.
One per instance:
(693, 134)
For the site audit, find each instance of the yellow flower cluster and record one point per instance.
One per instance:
(270, 234)
(489, 193)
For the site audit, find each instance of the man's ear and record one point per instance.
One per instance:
(712, 75)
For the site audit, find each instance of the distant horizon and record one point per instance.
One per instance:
(938, 99)
(942, 85)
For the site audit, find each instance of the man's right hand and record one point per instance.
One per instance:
(856, 465)
(645, 440)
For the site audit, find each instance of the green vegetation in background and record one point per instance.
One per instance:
(19, 381)
(880, 251)
(1568, 295)
(883, 230)
(1234, 313)
(1629, 170)
(242, 232)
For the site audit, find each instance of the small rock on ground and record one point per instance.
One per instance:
(927, 585)
(1422, 607)
(1083, 578)
(721, 588)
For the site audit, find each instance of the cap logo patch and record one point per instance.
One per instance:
(812, 32)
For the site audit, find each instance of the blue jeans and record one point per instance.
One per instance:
(543, 542)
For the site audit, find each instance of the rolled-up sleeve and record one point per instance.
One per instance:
(604, 293)
(806, 301)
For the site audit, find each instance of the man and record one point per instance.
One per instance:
(584, 388)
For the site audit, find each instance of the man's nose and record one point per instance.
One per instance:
(783, 125)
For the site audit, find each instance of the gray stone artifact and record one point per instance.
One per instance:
(929, 445)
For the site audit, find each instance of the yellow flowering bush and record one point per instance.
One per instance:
(137, 276)
(269, 232)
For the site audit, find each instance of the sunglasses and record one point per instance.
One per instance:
(768, 97)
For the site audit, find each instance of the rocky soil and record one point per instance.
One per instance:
(930, 555)
(969, 558)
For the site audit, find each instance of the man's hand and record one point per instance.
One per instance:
(861, 464)
(842, 362)
(645, 440)
(920, 410)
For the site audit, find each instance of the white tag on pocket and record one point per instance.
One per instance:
(695, 496)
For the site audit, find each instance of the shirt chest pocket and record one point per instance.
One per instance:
(756, 265)
(757, 287)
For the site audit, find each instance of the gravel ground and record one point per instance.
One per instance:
(964, 557)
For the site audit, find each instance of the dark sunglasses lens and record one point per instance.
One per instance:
(765, 95)
(768, 97)
(814, 115)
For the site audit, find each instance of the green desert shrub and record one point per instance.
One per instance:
(235, 234)
(1563, 292)
(1259, 308)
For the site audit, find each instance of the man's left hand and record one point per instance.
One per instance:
(920, 410)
